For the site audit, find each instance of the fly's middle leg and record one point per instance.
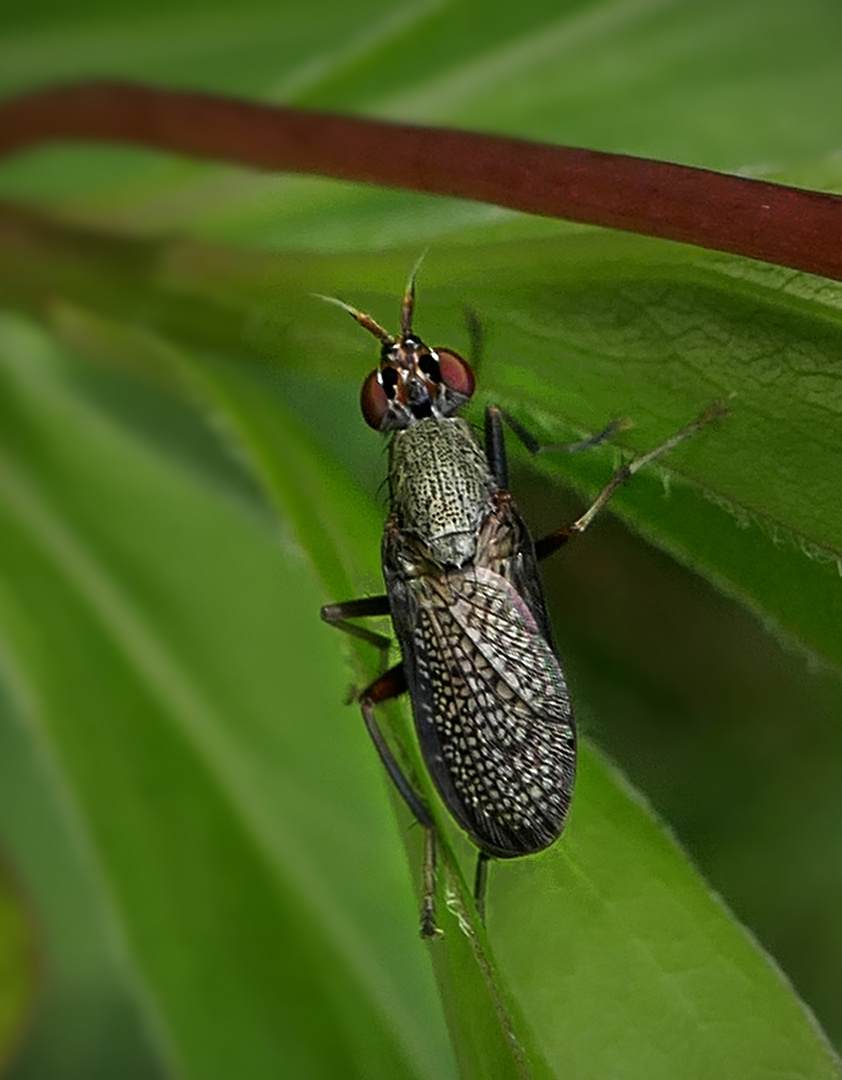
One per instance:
(367, 607)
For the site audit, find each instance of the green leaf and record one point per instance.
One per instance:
(217, 823)
(19, 964)
(217, 813)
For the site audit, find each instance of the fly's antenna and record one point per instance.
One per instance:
(365, 321)
(409, 298)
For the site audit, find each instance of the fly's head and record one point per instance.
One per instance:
(413, 381)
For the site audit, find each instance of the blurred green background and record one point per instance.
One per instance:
(200, 872)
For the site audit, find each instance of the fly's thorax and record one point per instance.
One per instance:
(441, 487)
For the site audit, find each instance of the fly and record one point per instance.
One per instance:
(491, 707)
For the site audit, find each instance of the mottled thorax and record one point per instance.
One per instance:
(441, 487)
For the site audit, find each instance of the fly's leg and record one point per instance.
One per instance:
(368, 607)
(481, 883)
(495, 445)
(496, 452)
(390, 685)
(554, 541)
(429, 930)
(493, 428)
(535, 447)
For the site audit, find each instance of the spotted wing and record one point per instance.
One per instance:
(491, 709)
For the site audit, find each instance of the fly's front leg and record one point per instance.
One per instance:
(535, 447)
(390, 685)
(495, 446)
(555, 540)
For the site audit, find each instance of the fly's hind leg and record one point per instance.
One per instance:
(557, 539)
(390, 685)
(481, 883)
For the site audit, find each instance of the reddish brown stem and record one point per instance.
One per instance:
(789, 226)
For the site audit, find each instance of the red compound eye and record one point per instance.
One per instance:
(373, 402)
(456, 372)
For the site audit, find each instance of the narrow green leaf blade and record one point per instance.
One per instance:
(222, 812)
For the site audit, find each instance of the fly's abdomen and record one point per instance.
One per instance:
(492, 711)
